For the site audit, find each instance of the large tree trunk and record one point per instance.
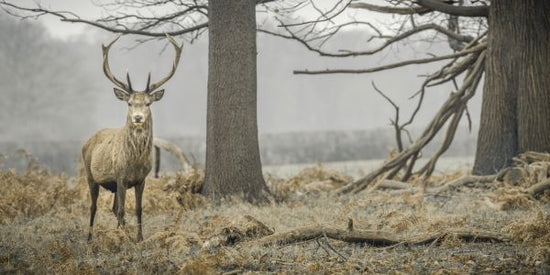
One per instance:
(233, 164)
(515, 113)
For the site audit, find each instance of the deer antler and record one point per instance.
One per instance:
(156, 85)
(107, 70)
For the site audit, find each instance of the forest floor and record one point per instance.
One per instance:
(44, 225)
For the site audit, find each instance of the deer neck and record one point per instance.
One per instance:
(139, 140)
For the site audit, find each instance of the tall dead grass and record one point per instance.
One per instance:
(34, 193)
(44, 216)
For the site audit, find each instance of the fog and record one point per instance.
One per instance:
(287, 103)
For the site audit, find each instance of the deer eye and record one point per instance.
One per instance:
(148, 104)
(129, 104)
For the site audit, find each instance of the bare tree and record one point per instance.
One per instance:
(511, 53)
(233, 156)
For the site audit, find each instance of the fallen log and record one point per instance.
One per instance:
(372, 237)
(308, 233)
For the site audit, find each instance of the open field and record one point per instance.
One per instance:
(358, 169)
(44, 224)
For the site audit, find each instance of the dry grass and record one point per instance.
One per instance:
(44, 216)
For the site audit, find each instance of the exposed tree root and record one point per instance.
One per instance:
(539, 187)
(464, 181)
(375, 238)
(531, 156)
(468, 180)
(452, 110)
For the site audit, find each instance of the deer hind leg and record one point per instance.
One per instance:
(115, 205)
(157, 161)
(94, 193)
(139, 195)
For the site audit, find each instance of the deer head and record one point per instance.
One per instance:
(139, 113)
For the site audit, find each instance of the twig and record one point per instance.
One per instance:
(332, 248)
(319, 244)
(395, 121)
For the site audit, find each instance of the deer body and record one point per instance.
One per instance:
(118, 159)
(115, 153)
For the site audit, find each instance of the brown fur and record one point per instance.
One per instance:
(113, 153)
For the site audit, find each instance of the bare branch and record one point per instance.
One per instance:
(63, 16)
(417, 29)
(324, 16)
(393, 10)
(394, 122)
(470, 11)
(478, 48)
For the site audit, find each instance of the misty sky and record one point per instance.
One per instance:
(286, 102)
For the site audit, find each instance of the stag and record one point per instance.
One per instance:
(119, 159)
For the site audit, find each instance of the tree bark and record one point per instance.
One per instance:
(233, 166)
(516, 98)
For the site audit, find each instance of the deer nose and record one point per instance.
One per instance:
(138, 118)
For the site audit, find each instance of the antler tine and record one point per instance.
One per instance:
(107, 69)
(129, 82)
(148, 81)
(178, 49)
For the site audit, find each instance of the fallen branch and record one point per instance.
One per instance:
(371, 237)
(175, 150)
(308, 233)
(393, 185)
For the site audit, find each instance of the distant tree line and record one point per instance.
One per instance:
(45, 94)
(275, 148)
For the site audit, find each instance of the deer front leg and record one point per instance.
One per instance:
(121, 197)
(94, 193)
(139, 195)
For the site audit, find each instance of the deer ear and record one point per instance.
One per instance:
(156, 96)
(122, 95)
